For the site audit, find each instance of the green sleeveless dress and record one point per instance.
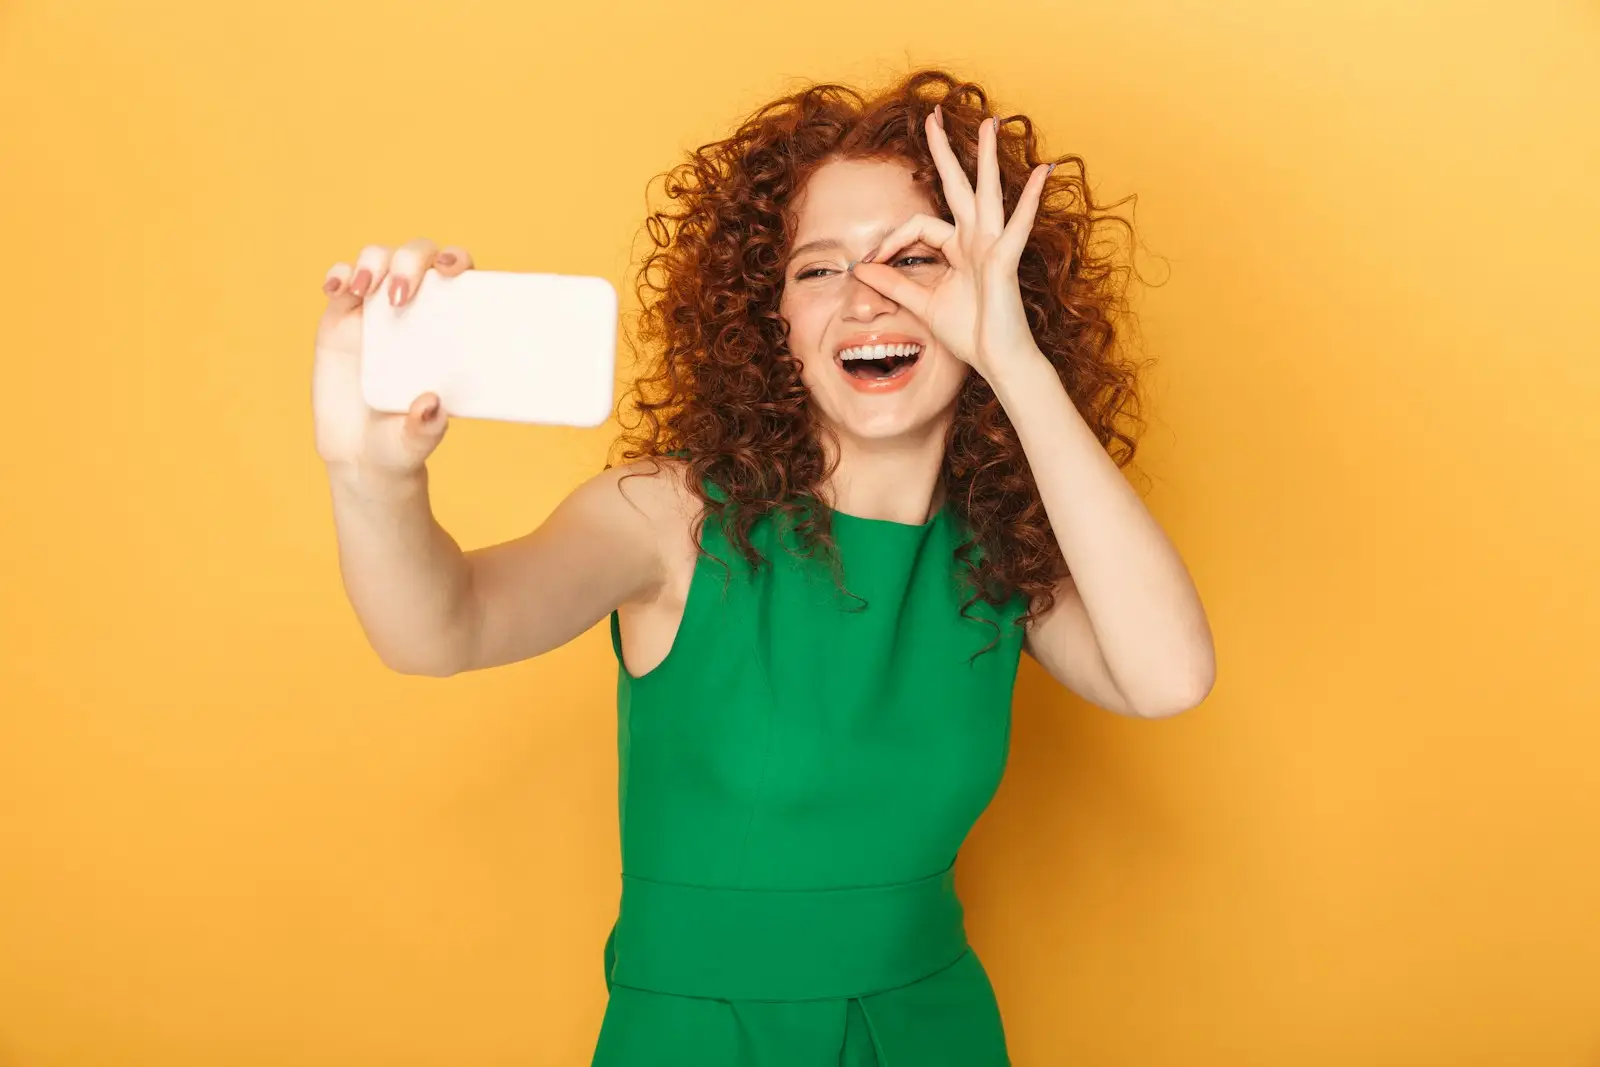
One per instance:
(795, 781)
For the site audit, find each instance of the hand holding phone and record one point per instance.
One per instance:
(418, 331)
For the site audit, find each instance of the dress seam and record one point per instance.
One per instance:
(766, 762)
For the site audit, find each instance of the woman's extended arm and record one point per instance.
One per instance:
(429, 608)
(426, 606)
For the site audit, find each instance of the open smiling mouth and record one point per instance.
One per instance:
(869, 364)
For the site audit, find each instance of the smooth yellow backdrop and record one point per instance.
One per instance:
(230, 837)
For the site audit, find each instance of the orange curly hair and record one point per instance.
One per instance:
(722, 391)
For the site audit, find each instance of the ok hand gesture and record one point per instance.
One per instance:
(975, 308)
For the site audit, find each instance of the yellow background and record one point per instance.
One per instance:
(230, 837)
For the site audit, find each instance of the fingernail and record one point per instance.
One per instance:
(1049, 170)
(430, 411)
(445, 259)
(362, 280)
(397, 291)
(331, 285)
(938, 115)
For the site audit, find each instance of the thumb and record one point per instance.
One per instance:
(425, 423)
(894, 285)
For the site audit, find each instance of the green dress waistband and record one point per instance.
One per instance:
(763, 944)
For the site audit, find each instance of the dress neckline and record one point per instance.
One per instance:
(889, 524)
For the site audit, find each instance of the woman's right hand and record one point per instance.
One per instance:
(351, 435)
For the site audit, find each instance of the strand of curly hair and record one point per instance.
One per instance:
(722, 391)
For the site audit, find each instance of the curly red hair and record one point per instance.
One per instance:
(722, 391)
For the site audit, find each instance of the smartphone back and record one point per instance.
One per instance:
(515, 347)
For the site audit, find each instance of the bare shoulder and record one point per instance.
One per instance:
(649, 503)
(655, 491)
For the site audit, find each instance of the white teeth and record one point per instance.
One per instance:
(879, 351)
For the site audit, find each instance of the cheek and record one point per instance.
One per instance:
(808, 320)
(950, 373)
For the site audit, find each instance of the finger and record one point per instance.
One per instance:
(952, 179)
(425, 422)
(336, 283)
(1015, 237)
(406, 268)
(452, 260)
(990, 208)
(371, 265)
(920, 227)
(896, 286)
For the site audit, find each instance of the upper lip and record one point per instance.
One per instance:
(860, 340)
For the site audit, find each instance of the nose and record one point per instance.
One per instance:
(863, 302)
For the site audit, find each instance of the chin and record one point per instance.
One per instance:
(900, 423)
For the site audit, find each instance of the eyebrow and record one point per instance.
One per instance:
(822, 243)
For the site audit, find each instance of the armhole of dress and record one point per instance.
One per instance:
(616, 636)
(703, 583)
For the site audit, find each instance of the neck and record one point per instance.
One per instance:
(896, 480)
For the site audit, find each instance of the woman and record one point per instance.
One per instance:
(871, 469)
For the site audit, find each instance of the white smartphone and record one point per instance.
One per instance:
(514, 347)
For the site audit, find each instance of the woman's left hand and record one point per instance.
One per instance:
(975, 307)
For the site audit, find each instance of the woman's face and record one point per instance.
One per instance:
(873, 370)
